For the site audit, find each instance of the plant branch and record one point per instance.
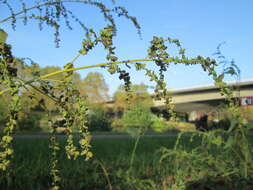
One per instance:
(42, 5)
(176, 60)
(38, 90)
(190, 61)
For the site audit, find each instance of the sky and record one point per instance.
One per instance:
(200, 25)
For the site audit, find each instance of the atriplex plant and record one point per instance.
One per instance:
(72, 105)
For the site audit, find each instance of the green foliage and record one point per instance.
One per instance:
(98, 120)
(30, 121)
(182, 126)
(3, 36)
(8, 72)
(118, 125)
(63, 93)
(160, 125)
(32, 158)
(94, 87)
(139, 94)
(138, 119)
(3, 111)
(226, 157)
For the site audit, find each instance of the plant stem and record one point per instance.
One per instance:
(105, 173)
(42, 5)
(134, 150)
(190, 61)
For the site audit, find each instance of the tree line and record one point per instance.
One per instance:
(93, 87)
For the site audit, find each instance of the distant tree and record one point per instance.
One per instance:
(32, 98)
(60, 77)
(94, 87)
(139, 95)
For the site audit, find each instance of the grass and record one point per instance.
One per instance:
(32, 158)
(109, 169)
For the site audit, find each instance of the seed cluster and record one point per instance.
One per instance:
(7, 78)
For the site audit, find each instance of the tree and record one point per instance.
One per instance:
(94, 87)
(139, 93)
(32, 98)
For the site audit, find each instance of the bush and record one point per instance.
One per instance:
(182, 126)
(98, 120)
(118, 125)
(30, 122)
(159, 125)
(138, 118)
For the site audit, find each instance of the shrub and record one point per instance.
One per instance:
(98, 120)
(159, 125)
(118, 125)
(182, 126)
(30, 122)
(139, 118)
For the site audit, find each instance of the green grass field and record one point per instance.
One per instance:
(32, 158)
(109, 169)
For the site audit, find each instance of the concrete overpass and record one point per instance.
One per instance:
(203, 98)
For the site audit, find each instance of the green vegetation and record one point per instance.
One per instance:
(98, 119)
(139, 95)
(31, 169)
(212, 162)
(138, 118)
(160, 125)
(182, 126)
(93, 86)
(3, 111)
(31, 121)
(112, 156)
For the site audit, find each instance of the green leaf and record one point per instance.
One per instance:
(3, 36)
(217, 141)
(229, 142)
(83, 51)
(221, 77)
(232, 125)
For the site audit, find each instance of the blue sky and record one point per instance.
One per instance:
(199, 24)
